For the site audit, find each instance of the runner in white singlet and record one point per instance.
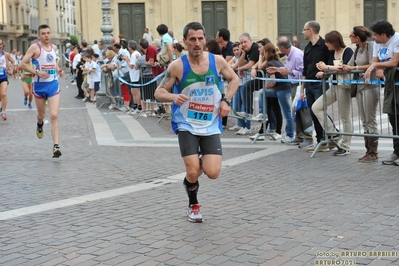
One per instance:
(45, 83)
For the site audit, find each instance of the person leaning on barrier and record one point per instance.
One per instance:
(279, 90)
(134, 75)
(273, 117)
(293, 69)
(197, 109)
(108, 68)
(368, 95)
(315, 51)
(249, 57)
(338, 92)
(385, 61)
(166, 40)
(213, 47)
(120, 60)
(149, 70)
(238, 104)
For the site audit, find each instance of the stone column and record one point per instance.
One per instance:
(106, 40)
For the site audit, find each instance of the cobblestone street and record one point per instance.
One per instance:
(115, 197)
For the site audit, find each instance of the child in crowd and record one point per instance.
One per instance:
(96, 78)
(89, 69)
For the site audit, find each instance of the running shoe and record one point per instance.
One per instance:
(193, 214)
(4, 116)
(56, 151)
(25, 101)
(30, 106)
(39, 131)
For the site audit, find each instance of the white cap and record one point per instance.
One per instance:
(68, 45)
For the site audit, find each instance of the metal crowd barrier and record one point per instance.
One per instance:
(112, 89)
(147, 85)
(359, 110)
(248, 104)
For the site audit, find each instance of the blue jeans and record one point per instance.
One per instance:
(284, 99)
(238, 106)
(247, 95)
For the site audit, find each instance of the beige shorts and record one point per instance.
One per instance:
(85, 85)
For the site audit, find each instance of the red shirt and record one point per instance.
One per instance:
(71, 57)
(152, 53)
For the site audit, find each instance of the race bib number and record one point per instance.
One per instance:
(200, 113)
(50, 69)
(1, 71)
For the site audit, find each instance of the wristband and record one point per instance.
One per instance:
(357, 67)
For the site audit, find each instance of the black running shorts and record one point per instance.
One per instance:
(191, 144)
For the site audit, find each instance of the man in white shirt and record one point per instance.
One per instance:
(385, 61)
(123, 71)
(96, 48)
(148, 35)
(134, 75)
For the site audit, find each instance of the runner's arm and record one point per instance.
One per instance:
(25, 63)
(11, 61)
(162, 92)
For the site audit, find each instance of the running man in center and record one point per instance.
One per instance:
(197, 109)
(45, 84)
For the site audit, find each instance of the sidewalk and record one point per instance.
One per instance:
(115, 197)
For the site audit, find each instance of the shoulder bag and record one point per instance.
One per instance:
(163, 56)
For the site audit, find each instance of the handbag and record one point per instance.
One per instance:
(163, 56)
(304, 118)
(355, 76)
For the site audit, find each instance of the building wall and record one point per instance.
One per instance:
(257, 17)
(27, 15)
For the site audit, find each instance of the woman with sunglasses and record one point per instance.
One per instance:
(368, 95)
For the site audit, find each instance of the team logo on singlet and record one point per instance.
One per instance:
(209, 80)
(50, 58)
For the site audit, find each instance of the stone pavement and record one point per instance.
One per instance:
(115, 197)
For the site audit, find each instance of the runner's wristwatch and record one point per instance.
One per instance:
(228, 101)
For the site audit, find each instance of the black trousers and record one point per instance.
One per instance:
(394, 121)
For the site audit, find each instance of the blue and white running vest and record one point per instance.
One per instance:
(199, 115)
(46, 62)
